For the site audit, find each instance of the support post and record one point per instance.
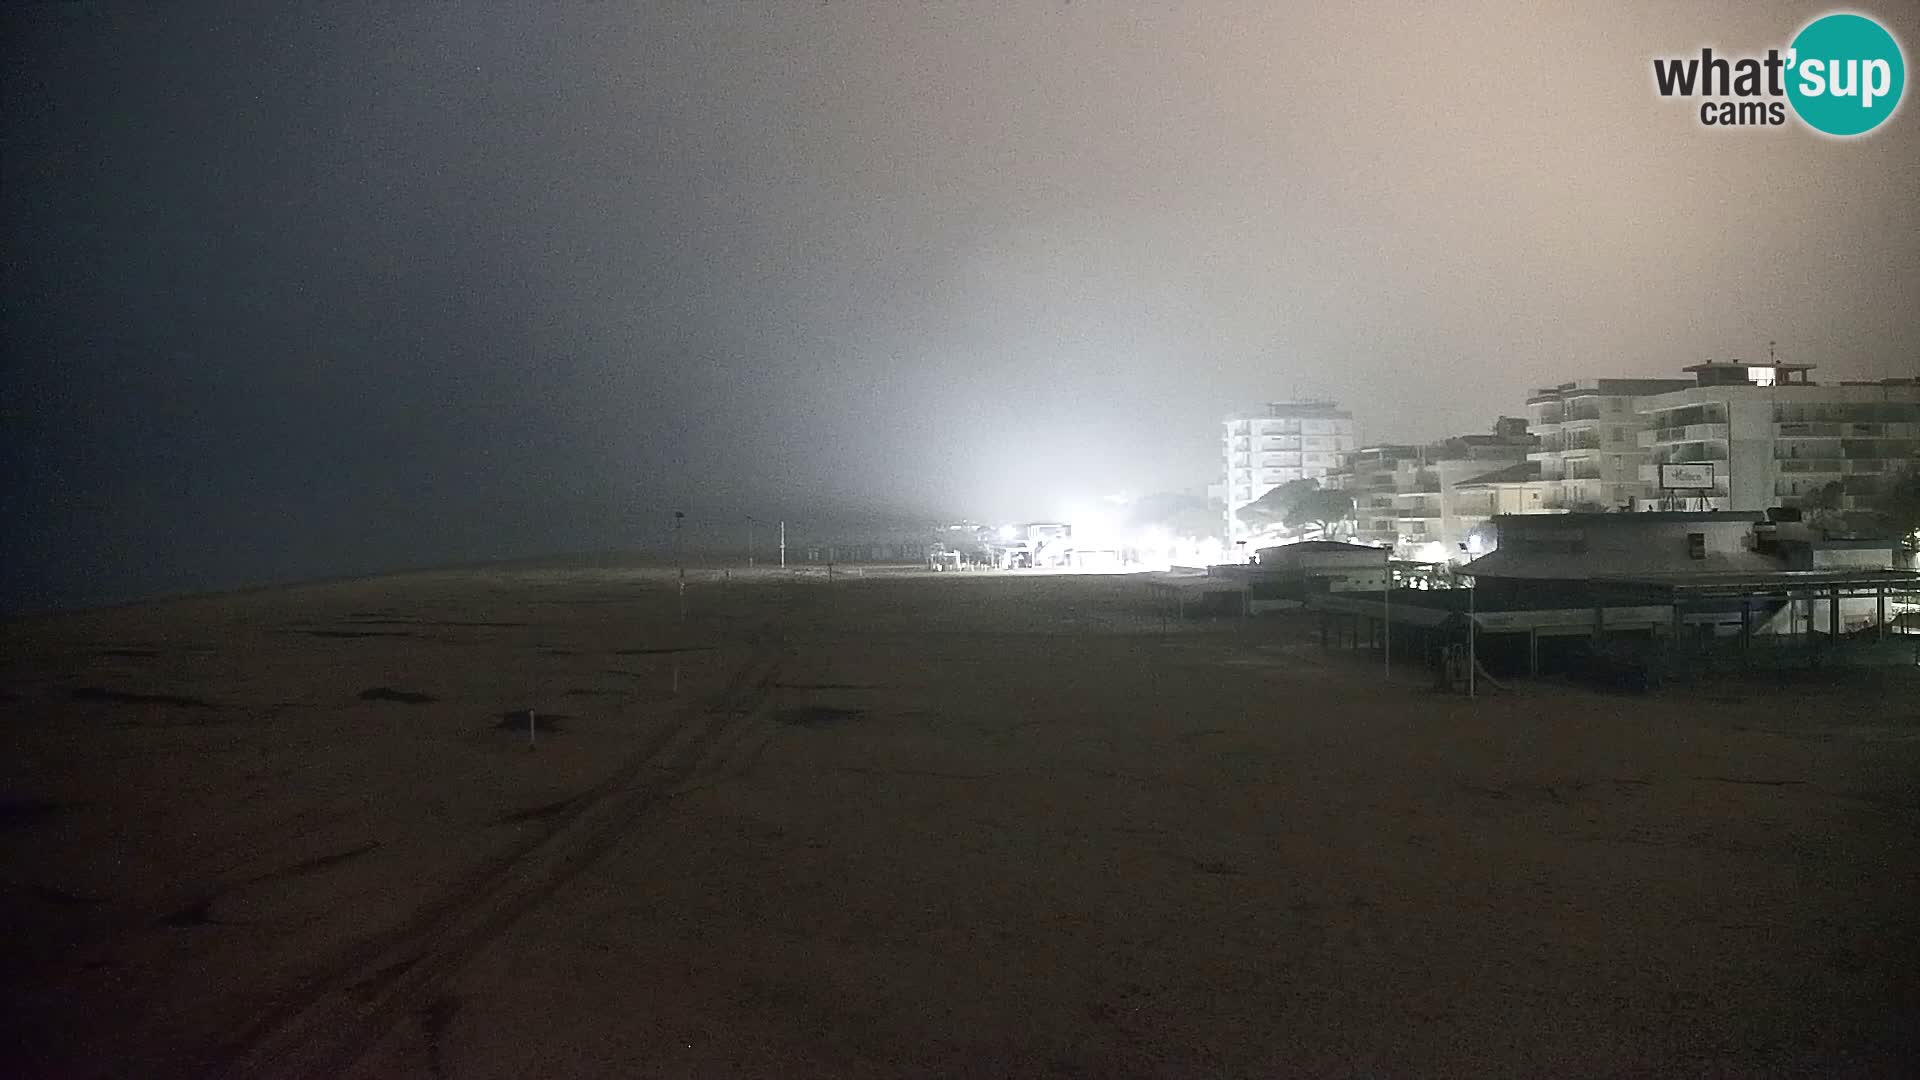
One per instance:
(680, 562)
(1386, 617)
(1746, 628)
(783, 545)
(1473, 640)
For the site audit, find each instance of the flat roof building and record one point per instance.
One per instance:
(1289, 440)
(1758, 435)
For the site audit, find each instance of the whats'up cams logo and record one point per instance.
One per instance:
(1842, 75)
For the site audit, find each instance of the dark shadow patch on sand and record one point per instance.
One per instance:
(397, 621)
(122, 697)
(1517, 792)
(435, 1019)
(357, 633)
(388, 693)
(130, 654)
(516, 720)
(824, 686)
(817, 716)
(663, 651)
(932, 774)
(318, 863)
(1217, 867)
(17, 812)
(534, 813)
(587, 691)
(385, 975)
(198, 913)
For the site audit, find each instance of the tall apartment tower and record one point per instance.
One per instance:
(1290, 440)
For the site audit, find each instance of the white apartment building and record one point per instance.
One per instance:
(1370, 475)
(1436, 506)
(1290, 440)
(1590, 453)
(1766, 434)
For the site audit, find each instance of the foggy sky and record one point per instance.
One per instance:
(294, 295)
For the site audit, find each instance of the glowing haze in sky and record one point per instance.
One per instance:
(294, 294)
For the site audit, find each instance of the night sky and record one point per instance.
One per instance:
(297, 295)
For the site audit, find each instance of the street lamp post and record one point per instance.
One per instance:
(680, 562)
(1386, 616)
(749, 541)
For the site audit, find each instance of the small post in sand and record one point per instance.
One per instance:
(531, 727)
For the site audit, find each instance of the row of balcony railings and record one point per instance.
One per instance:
(1849, 485)
(1688, 453)
(1682, 433)
(1570, 443)
(1866, 412)
(1894, 430)
(1835, 465)
(1847, 451)
(1691, 414)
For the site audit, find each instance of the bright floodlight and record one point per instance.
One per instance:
(1006, 532)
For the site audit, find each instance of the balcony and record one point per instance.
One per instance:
(1688, 454)
(1683, 433)
(1690, 414)
(1811, 431)
(1424, 482)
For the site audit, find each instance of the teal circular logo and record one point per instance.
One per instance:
(1845, 74)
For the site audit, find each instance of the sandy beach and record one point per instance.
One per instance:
(917, 824)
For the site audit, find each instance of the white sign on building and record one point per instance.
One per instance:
(1686, 477)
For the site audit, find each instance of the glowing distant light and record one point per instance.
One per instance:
(1008, 532)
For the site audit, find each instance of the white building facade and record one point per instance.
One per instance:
(1764, 435)
(1290, 440)
(1590, 453)
(1437, 504)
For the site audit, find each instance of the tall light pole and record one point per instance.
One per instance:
(1386, 614)
(680, 562)
(1473, 639)
(749, 541)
